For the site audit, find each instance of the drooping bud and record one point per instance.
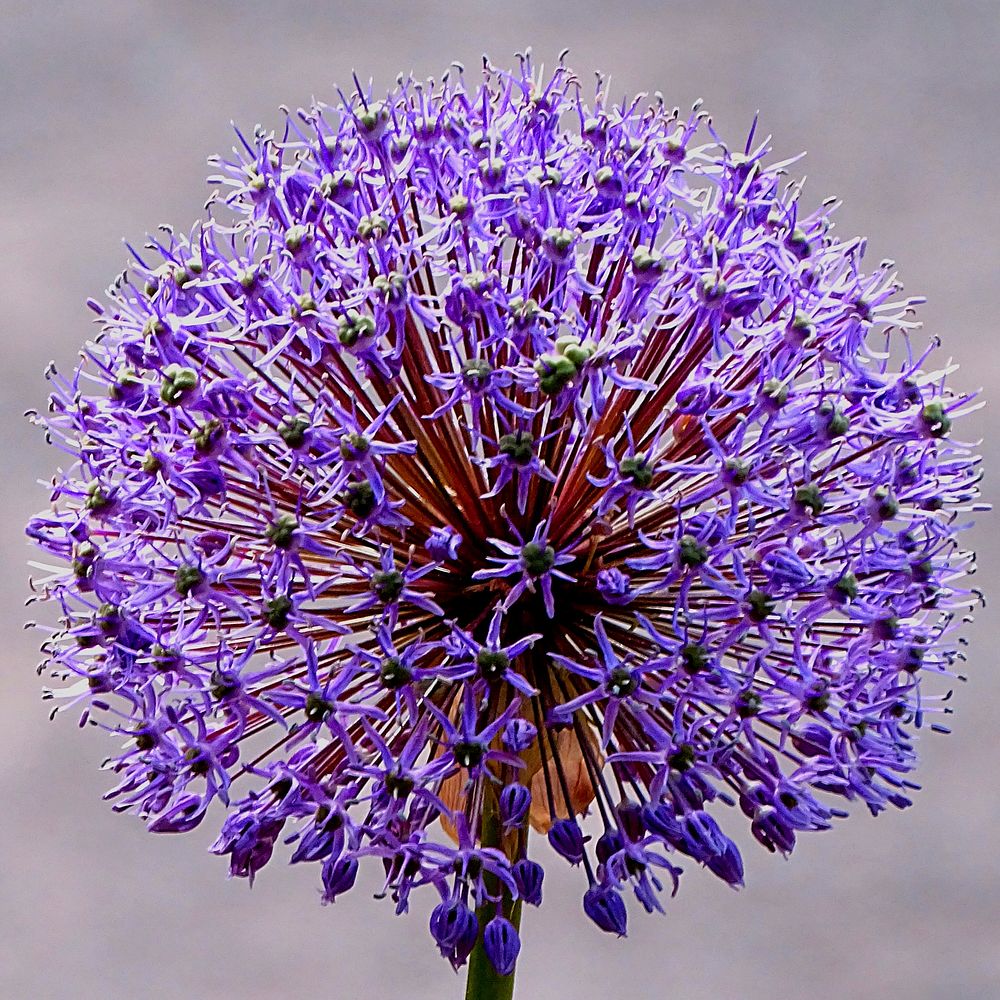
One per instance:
(528, 876)
(518, 735)
(339, 875)
(502, 944)
(661, 821)
(614, 586)
(567, 840)
(454, 927)
(607, 909)
(442, 544)
(515, 801)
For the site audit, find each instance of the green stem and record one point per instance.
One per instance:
(484, 982)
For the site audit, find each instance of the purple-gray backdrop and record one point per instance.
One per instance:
(109, 110)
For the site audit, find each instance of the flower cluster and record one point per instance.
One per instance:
(486, 458)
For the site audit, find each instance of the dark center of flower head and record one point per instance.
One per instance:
(162, 658)
(360, 499)
(694, 658)
(277, 611)
(399, 785)
(187, 579)
(144, 740)
(638, 471)
(178, 383)
(477, 372)
(748, 704)
(317, 707)
(935, 419)
(519, 447)
(682, 757)
(282, 531)
(354, 327)
(622, 682)
(514, 481)
(469, 753)
(809, 498)
(388, 585)
(354, 446)
(492, 664)
(759, 605)
(223, 684)
(207, 435)
(394, 674)
(691, 551)
(97, 499)
(537, 559)
(292, 430)
(198, 761)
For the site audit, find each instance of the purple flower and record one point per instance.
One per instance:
(502, 944)
(248, 841)
(607, 909)
(442, 543)
(515, 801)
(528, 876)
(567, 840)
(518, 735)
(614, 586)
(534, 561)
(454, 927)
(339, 876)
(482, 459)
(490, 659)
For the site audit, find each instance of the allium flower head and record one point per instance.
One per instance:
(494, 455)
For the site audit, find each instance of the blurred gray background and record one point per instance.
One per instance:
(109, 111)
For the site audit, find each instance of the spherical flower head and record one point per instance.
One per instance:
(495, 458)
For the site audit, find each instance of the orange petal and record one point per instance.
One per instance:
(452, 794)
(574, 769)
